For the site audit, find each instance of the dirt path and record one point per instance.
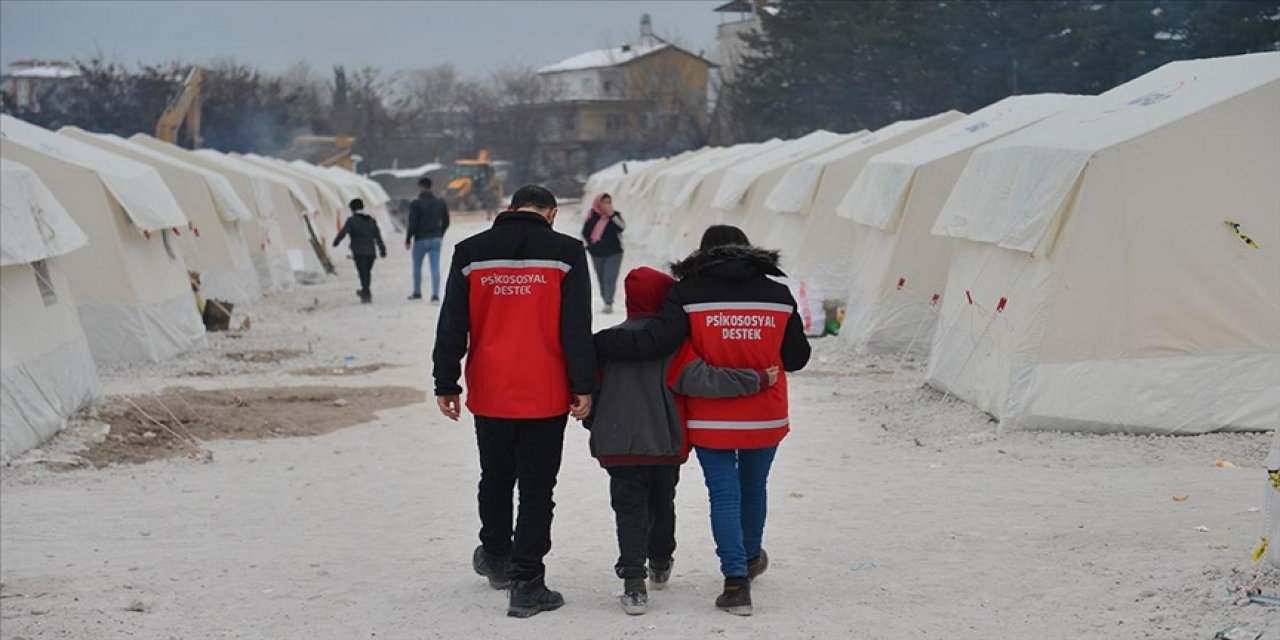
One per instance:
(893, 515)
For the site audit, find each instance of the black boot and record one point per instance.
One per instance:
(660, 575)
(736, 598)
(757, 565)
(635, 598)
(492, 567)
(531, 597)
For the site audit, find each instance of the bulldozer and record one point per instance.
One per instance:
(476, 184)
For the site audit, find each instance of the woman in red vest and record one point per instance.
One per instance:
(736, 316)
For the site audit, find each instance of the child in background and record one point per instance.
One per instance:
(366, 244)
(638, 436)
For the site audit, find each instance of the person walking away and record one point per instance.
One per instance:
(735, 315)
(638, 436)
(428, 222)
(603, 233)
(517, 304)
(366, 245)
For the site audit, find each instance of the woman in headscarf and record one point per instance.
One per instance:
(603, 232)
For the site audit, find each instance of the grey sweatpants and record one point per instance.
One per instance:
(607, 268)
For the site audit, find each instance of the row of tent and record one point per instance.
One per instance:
(1103, 263)
(103, 236)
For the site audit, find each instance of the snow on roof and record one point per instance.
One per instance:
(43, 71)
(611, 57)
(412, 172)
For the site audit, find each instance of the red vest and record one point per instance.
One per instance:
(739, 335)
(515, 365)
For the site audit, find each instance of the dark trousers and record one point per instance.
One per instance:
(524, 453)
(644, 506)
(607, 269)
(364, 267)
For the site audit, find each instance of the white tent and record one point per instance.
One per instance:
(214, 245)
(46, 372)
(329, 206)
(690, 211)
(263, 235)
(635, 199)
(750, 183)
(813, 240)
(130, 286)
(899, 268)
(292, 209)
(1123, 260)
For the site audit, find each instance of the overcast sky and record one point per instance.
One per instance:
(477, 37)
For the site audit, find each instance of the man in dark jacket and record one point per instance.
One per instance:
(366, 244)
(518, 305)
(638, 435)
(428, 222)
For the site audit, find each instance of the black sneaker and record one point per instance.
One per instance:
(736, 598)
(757, 565)
(660, 575)
(635, 598)
(435, 300)
(416, 296)
(528, 598)
(492, 567)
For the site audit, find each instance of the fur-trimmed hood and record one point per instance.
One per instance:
(733, 262)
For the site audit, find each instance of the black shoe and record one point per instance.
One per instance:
(635, 598)
(736, 598)
(416, 296)
(492, 567)
(531, 597)
(757, 565)
(435, 300)
(659, 575)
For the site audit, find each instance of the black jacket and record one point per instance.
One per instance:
(531, 340)
(428, 218)
(611, 242)
(720, 274)
(366, 238)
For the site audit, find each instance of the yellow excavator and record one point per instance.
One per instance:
(341, 144)
(475, 185)
(184, 108)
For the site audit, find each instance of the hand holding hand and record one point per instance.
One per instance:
(773, 373)
(450, 406)
(581, 407)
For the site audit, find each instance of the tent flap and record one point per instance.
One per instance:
(35, 224)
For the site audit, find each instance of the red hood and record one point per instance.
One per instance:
(646, 289)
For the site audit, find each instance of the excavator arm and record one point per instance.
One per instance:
(184, 108)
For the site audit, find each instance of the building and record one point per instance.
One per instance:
(739, 19)
(27, 83)
(637, 99)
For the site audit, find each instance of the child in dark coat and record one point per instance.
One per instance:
(638, 436)
(366, 244)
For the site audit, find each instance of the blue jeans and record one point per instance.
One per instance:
(736, 480)
(427, 247)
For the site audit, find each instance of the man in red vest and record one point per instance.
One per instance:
(735, 315)
(518, 306)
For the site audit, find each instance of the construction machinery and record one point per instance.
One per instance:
(325, 151)
(476, 185)
(184, 108)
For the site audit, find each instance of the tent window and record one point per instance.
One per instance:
(45, 283)
(168, 245)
